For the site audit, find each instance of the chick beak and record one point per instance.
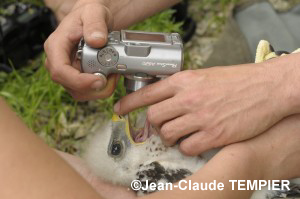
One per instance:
(122, 130)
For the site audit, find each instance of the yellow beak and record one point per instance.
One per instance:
(124, 119)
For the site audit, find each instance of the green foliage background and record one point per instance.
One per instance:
(46, 107)
(51, 112)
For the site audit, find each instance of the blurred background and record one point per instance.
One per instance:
(45, 106)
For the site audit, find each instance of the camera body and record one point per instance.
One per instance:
(142, 57)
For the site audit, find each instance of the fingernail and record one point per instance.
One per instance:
(97, 85)
(98, 35)
(117, 107)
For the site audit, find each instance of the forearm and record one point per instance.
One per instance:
(235, 162)
(125, 12)
(129, 12)
(29, 169)
(285, 74)
(273, 155)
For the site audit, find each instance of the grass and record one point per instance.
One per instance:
(46, 107)
(35, 2)
(50, 112)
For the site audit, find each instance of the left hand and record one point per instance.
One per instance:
(216, 106)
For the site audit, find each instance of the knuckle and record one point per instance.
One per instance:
(47, 64)
(188, 101)
(165, 129)
(151, 115)
(186, 148)
(146, 93)
(54, 73)
(167, 135)
(49, 41)
(219, 136)
(46, 45)
(175, 77)
(172, 82)
(185, 75)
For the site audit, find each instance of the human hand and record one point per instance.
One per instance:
(216, 106)
(91, 19)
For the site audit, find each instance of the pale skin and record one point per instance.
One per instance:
(219, 103)
(212, 105)
(253, 159)
(29, 169)
(91, 19)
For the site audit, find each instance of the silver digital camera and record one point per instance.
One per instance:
(142, 57)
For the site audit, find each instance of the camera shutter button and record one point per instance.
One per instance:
(108, 56)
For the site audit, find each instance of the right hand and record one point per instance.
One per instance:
(91, 19)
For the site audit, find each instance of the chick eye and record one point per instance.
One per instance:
(116, 149)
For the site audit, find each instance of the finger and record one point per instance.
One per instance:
(59, 49)
(109, 88)
(165, 111)
(104, 93)
(96, 20)
(197, 143)
(70, 77)
(76, 64)
(148, 95)
(173, 130)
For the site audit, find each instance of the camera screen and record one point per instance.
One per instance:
(145, 37)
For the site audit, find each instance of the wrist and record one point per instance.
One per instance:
(284, 75)
(292, 63)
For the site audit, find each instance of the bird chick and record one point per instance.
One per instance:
(119, 154)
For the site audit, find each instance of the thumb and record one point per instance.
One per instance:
(96, 20)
